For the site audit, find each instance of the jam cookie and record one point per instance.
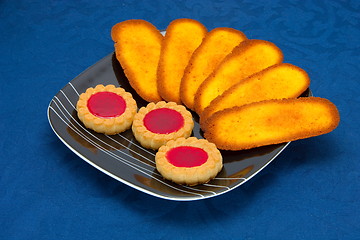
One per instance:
(189, 161)
(156, 124)
(106, 109)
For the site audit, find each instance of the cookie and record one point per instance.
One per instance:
(106, 109)
(271, 122)
(182, 37)
(137, 48)
(217, 43)
(189, 161)
(249, 57)
(156, 124)
(283, 80)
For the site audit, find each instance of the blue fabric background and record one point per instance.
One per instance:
(311, 191)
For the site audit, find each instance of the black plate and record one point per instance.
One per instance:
(122, 157)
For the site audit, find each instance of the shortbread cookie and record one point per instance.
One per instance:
(137, 48)
(106, 109)
(271, 122)
(182, 37)
(283, 80)
(217, 43)
(156, 124)
(189, 161)
(249, 57)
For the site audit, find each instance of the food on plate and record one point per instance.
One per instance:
(156, 124)
(217, 43)
(271, 122)
(182, 37)
(106, 109)
(137, 48)
(279, 81)
(249, 57)
(189, 161)
(245, 96)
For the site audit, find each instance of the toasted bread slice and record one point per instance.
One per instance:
(279, 81)
(182, 37)
(249, 57)
(217, 43)
(271, 122)
(137, 48)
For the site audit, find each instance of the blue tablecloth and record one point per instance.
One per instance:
(311, 191)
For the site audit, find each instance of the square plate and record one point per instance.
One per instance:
(122, 157)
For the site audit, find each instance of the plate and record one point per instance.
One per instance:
(122, 157)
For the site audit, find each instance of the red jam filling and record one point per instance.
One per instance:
(163, 121)
(106, 105)
(186, 156)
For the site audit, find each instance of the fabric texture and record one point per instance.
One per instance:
(310, 191)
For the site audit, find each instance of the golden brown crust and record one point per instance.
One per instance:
(182, 37)
(249, 57)
(271, 122)
(108, 126)
(152, 140)
(137, 48)
(217, 43)
(189, 175)
(282, 80)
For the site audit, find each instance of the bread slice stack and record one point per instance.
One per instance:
(244, 93)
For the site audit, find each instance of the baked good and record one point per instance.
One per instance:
(156, 124)
(271, 122)
(189, 161)
(106, 109)
(137, 48)
(279, 81)
(182, 37)
(249, 57)
(217, 43)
